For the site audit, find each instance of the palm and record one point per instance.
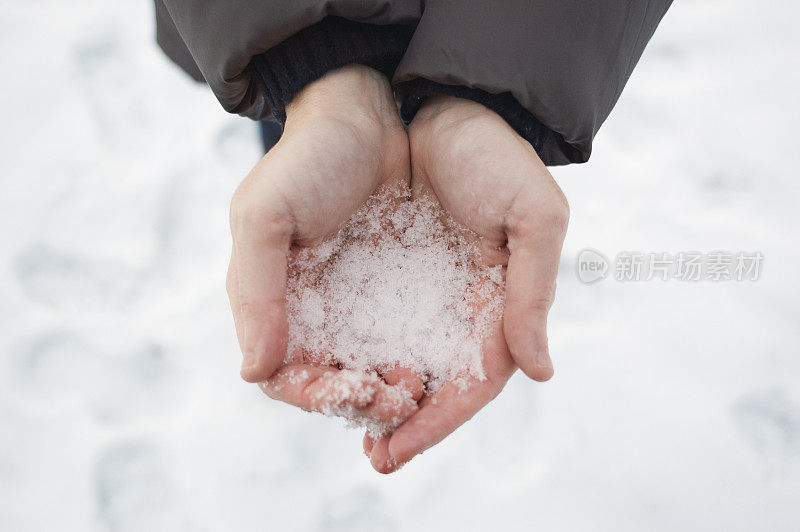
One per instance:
(319, 174)
(482, 172)
(491, 181)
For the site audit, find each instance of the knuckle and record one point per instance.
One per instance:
(245, 210)
(536, 306)
(557, 213)
(551, 215)
(541, 304)
(249, 214)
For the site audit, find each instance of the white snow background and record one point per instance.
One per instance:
(674, 405)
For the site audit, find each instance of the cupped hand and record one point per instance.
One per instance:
(490, 180)
(342, 140)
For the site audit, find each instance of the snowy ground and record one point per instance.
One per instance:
(674, 406)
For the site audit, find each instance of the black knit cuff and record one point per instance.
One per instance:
(414, 93)
(332, 43)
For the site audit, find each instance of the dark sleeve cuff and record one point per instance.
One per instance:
(334, 42)
(414, 93)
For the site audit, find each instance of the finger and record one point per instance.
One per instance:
(407, 378)
(453, 405)
(349, 394)
(534, 243)
(261, 244)
(368, 443)
(316, 388)
(380, 458)
(392, 405)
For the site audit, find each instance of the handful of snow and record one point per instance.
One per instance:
(400, 285)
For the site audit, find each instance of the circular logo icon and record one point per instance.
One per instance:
(592, 266)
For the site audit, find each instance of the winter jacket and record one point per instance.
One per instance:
(552, 68)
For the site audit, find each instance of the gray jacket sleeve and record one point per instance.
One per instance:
(223, 36)
(565, 61)
(552, 68)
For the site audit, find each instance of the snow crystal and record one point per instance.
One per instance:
(400, 285)
(350, 391)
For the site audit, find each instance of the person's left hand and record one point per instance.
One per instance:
(492, 181)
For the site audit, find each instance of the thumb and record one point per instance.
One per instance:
(535, 248)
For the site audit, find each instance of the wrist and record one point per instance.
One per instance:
(354, 94)
(420, 93)
(443, 111)
(444, 119)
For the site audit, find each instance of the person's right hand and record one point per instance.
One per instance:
(342, 140)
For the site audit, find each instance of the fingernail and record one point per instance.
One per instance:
(249, 359)
(543, 360)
